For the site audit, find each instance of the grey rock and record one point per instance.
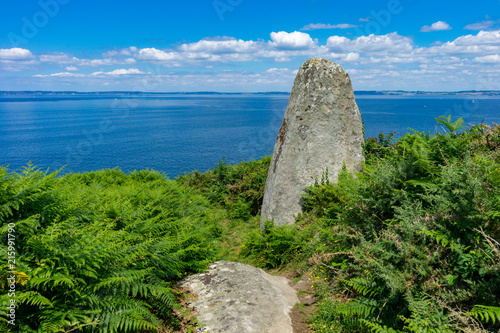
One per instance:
(321, 129)
(234, 297)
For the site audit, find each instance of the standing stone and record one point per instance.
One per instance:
(322, 129)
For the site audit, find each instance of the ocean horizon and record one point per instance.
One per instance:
(176, 133)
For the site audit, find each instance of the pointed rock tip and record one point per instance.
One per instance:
(320, 61)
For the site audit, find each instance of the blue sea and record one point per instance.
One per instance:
(178, 133)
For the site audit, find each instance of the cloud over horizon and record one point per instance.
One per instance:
(317, 26)
(437, 26)
(292, 41)
(16, 59)
(16, 53)
(214, 61)
(482, 25)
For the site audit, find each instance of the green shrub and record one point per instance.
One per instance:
(100, 251)
(414, 225)
(237, 188)
(274, 246)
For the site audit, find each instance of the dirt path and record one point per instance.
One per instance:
(301, 312)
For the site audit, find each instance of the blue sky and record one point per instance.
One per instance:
(247, 45)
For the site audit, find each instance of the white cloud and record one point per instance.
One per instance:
(16, 59)
(388, 49)
(227, 80)
(62, 75)
(282, 47)
(229, 45)
(106, 62)
(277, 70)
(338, 43)
(121, 71)
(67, 74)
(116, 72)
(390, 43)
(125, 72)
(482, 25)
(394, 60)
(315, 26)
(484, 43)
(493, 58)
(153, 54)
(68, 59)
(291, 41)
(352, 56)
(376, 62)
(437, 26)
(58, 58)
(117, 53)
(482, 38)
(371, 44)
(17, 65)
(447, 60)
(16, 54)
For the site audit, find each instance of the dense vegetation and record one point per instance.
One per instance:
(100, 251)
(409, 244)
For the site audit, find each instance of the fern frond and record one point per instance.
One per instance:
(378, 328)
(54, 280)
(362, 286)
(487, 314)
(33, 298)
(357, 308)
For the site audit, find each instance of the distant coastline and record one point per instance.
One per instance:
(358, 93)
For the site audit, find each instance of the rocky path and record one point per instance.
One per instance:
(234, 297)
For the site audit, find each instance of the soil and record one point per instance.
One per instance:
(185, 314)
(301, 312)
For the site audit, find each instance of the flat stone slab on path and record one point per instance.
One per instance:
(239, 298)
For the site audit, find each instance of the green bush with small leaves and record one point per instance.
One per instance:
(237, 188)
